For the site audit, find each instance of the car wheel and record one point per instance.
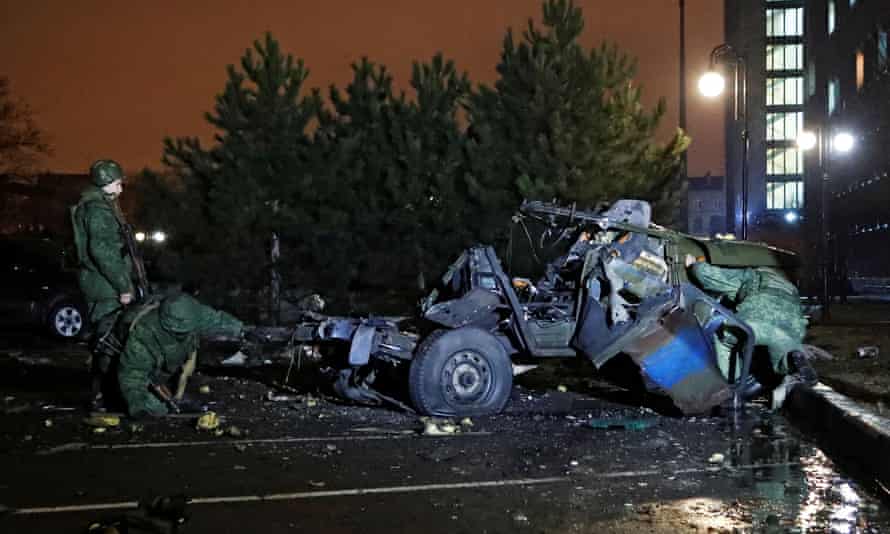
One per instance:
(66, 320)
(460, 372)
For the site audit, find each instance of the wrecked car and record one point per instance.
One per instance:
(621, 289)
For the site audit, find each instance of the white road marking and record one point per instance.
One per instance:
(81, 446)
(390, 489)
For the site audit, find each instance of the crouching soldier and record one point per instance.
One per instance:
(770, 304)
(161, 343)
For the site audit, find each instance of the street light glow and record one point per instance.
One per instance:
(140, 236)
(791, 217)
(807, 140)
(159, 237)
(711, 84)
(843, 142)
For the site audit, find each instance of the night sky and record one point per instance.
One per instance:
(111, 78)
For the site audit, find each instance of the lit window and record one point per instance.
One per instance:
(860, 69)
(784, 91)
(783, 127)
(832, 16)
(784, 195)
(784, 57)
(784, 22)
(834, 94)
(852, 3)
(783, 160)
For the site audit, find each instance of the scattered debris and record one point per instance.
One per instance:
(239, 468)
(205, 389)
(102, 421)
(311, 402)
(208, 421)
(716, 458)
(330, 447)
(437, 427)
(234, 431)
(136, 428)
(48, 423)
(621, 423)
(519, 517)
(237, 359)
(317, 484)
(99, 430)
(868, 351)
(466, 421)
(273, 397)
(240, 447)
(561, 388)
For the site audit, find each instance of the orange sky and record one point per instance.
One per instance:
(112, 78)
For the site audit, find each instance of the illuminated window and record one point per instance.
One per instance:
(784, 195)
(783, 160)
(784, 57)
(852, 3)
(832, 16)
(860, 69)
(834, 94)
(783, 127)
(784, 22)
(784, 91)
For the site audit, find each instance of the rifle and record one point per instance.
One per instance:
(142, 288)
(536, 207)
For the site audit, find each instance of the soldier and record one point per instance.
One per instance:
(769, 303)
(107, 268)
(162, 340)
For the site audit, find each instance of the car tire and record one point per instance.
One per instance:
(67, 320)
(462, 372)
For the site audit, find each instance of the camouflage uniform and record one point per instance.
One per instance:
(106, 268)
(158, 344)
(766, 301)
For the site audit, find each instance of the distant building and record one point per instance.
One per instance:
(847, 59)
(770, 36)
(706, 205)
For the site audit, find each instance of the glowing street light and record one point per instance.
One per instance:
(712, 84)
(140, 236)
(842, 142)
(807, 140)
(158, 236)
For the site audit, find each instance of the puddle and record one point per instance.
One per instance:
(798, 487)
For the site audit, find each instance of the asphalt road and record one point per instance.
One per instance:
(308, 464)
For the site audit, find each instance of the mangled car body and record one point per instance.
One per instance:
(621, 289)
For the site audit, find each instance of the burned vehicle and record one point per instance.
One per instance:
(621, 289)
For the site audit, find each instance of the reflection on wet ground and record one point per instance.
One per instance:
(799, 488)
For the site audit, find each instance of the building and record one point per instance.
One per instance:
(848, 89)
(767, 40)
(706, 206)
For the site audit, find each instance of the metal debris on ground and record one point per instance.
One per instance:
(868, 351)
(621, 423)
(466, 421)
(716, 458)
(311, 402)
(438, 427)
(48, 423)
(102, 421)
(274, 397)
(561, 388)
(205, 389)
(235, 432)
(208, 421)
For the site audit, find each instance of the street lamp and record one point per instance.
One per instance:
(841, 142)
(711, 85)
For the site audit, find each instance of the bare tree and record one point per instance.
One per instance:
(22, 144)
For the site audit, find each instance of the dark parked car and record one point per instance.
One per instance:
(39, 289)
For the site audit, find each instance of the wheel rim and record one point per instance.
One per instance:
(466, 377)
(68, 321)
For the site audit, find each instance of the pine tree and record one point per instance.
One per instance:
(250, 183)
(565, 123)
(22, 143)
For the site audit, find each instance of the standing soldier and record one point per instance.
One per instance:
(108, 268)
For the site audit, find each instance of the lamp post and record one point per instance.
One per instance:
(827, 145)
(711, 85)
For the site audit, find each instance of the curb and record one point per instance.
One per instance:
(859, 438)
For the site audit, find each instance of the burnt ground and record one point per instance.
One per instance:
(306, 463)
(854, 325)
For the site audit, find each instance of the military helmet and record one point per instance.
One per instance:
(105, 171)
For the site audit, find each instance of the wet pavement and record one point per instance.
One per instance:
(307, 464)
